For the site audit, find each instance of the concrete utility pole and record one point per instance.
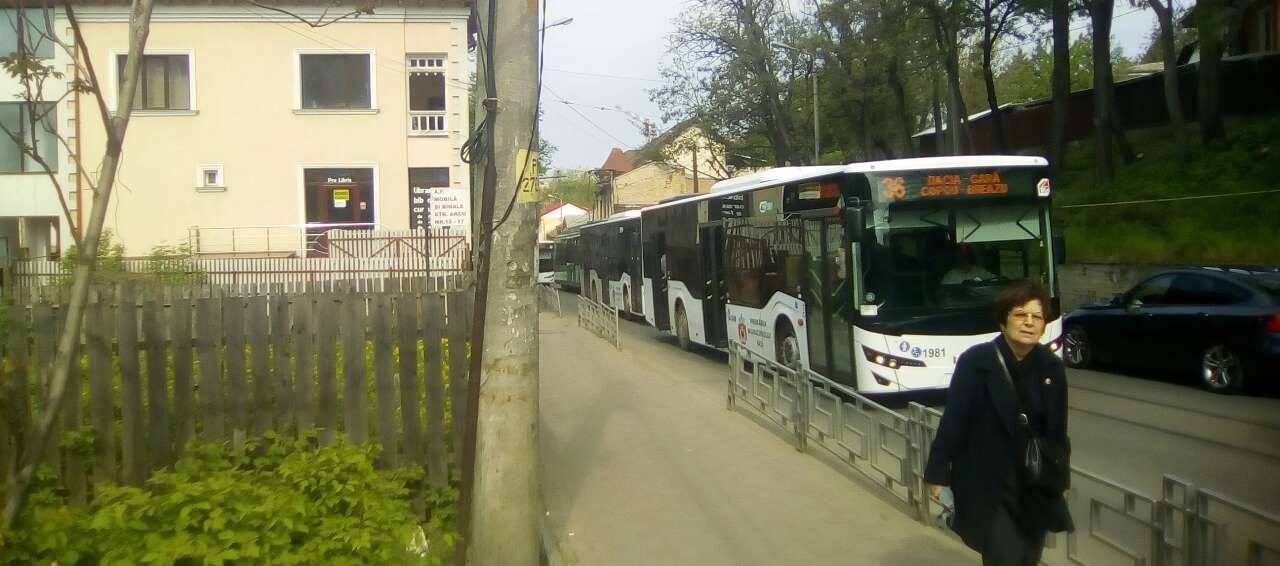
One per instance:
(501, 497)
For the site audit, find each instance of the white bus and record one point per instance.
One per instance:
(611, 261)
(876, 275)
(545, 260)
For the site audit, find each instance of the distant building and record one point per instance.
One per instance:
(680, 161)
(254, 131)
(558, 215)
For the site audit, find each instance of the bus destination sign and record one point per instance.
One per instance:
(954, 185)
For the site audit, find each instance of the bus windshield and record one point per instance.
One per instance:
(951, 256)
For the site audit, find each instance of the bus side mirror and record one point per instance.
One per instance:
(1059, 249)
(854, 223)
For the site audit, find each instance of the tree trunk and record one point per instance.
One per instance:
(139, 29)
(1002, 140)
(1172, 96)
(1104, 160)
(1061, 84)
(939, 140)
(1209, 16)
(900, 105)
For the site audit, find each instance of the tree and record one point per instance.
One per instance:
(1169, 51)
(26, 69)
(1060, 15)
(577, 187)
(949, 18)
(1108, 133)
(1211, 25)
(726, 73)
(996, 18)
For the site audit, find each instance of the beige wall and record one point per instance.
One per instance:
(245, 117)
(649, 184)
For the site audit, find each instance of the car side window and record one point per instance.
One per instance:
(1227, 293)
(1152, 292)
(1190, 290)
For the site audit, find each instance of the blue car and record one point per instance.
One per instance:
(1222, 323)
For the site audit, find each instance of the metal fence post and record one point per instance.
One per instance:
(801, 409)
(734, 364)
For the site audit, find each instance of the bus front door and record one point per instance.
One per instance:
(711, 246)
(828, 300)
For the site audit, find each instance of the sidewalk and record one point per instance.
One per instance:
(642, 464)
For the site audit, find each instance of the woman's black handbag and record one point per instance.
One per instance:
(1046, 462)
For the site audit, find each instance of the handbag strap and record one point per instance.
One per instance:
(1008, 378)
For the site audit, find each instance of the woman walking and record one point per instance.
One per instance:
(1002, 444)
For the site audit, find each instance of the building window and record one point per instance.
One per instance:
(336, 81)
(165, 82)
(426, 94)
(210, 177)
(16, 131)
(35, 38)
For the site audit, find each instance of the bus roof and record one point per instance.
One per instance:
(788, 175)
(618, 217)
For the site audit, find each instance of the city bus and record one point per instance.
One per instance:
(545, 260)
(876, 275)
(567, 260)
(612, 261)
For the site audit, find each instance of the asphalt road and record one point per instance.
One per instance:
(1130, 431)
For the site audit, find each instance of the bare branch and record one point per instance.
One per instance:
(319, 23)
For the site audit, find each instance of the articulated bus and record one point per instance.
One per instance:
(612, 261)
(567, 260)
(545, 260)
(876, 275)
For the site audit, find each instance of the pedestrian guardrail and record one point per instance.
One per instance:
(549, 299)
(600, 319)
(1115, 524)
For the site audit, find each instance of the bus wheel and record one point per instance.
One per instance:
(682, 327)
(786, 348)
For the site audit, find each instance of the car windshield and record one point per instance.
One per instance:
(955, 257)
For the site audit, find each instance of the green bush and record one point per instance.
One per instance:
(277, 502)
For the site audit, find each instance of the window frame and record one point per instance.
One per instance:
(220, 186)
(409, 71)
(373, 81)
(113, 93)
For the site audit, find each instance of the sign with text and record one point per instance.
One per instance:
(967, 184)
(433, 203)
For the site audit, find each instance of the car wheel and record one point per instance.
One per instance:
(1076, 349)
(786, 348)
(1221, 370)
(682, 328)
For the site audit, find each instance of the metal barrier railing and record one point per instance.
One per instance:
(549, 299)
(600, 319)
(1115, 524)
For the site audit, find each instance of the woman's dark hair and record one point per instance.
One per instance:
(1019, 293)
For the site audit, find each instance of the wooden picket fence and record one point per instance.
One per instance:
(156, 373)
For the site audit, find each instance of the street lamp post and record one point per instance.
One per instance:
(813, 75)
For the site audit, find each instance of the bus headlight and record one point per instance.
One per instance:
(889, 361)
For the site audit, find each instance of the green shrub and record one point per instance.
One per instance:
(277, 502)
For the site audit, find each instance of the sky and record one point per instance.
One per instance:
(600, 67)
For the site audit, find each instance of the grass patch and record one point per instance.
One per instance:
(1234, 229)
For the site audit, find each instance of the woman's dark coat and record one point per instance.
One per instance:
(974, 453)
